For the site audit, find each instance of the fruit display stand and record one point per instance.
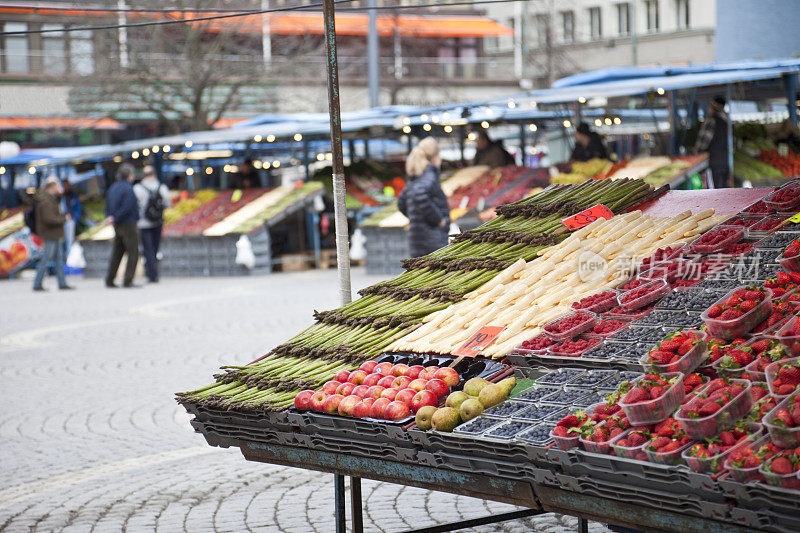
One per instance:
(512, 451)
(201, 239)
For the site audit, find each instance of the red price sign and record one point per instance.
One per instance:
(479, 341)
(586, 217)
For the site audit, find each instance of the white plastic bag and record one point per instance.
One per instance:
(357, 249)
(75, 257)
(244, 253)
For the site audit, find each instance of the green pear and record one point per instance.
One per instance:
(491, 395)
(445, 419)
(508, 385)
(455, 399)
(424, 416)
(474, 386)
(470, 409)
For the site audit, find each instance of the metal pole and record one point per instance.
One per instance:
(673, 123)
(340, 217)
(266, 37)
(306, 158)
(123, 35)
(791, 95)
(373, 53)
(634, 41)
(522, 143)
(730, 136)
(461, 134)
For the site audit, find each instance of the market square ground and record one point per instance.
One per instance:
(92, 440)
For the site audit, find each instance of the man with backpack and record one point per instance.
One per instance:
(122, 210)
(153, 198)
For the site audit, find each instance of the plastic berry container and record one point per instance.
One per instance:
(745, 220)
(622, 324)
(747, 475)
(724, 418)
(761, 229)
(771, 370)
(655, 291)
(592, 446)
(737, 233)
(661, 270)
(672, 458)
(716, 463)
(587, 321)
(788, 339)
(557, 350)
(601, 305)
(565, 443)
(738, 327)
(653, 411)
(780, 435)
(787, 481)
(626, 316)
(791, 263)
(780, 205)
(684, 365)
(725, 372)
(629, 452)
(755, 375)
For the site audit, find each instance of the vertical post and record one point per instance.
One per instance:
(583, 525)
(522, 143)
(306, 158)
(791, 95)
(122, 20)
(673, 123)
(366, 148)
(634, 40)
(373, 53)
(518, 40)
(266, 37)
(730, 135)
(409, 143)
(340, 214)
(461, 133)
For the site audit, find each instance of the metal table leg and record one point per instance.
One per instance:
(338, 502)
(356, 505)
(583, 525)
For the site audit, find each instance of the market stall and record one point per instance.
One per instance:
(609, 415)
(205, 231)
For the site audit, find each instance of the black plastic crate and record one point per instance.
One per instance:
(376, 450)
(355, 429)
(756, 496)
(766, 520)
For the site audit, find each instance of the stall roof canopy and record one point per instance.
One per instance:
(302, 22)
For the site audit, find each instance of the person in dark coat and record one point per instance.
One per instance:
(122, 210)
(491, 153)
(50, 227)
(713, 138)
(588, 144)
(423, 200)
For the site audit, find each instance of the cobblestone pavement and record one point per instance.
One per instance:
(91, 439)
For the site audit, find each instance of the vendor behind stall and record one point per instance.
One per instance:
(713, 138)
(588, 144)
(491, 153)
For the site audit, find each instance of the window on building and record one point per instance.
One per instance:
(651, 11)
(624, 18)
(568, 26)
(595, 23)
(682, 14)
(542, 23)
(81, 53)
(54, 49)
(16, 50)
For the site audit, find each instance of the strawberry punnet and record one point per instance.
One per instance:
(715, 407)
(680, 351)
(781, 469)
(709, 456)
(739, 312)
(597, 303)
(571, 325)
(653, 397)
(783, 377)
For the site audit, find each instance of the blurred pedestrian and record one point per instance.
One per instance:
(49, 222)
(588, 144)
(491, 153)
(713, 138)
(71, 203)
(423, 201)
(153, 198)
(122, 211)
(247, 177)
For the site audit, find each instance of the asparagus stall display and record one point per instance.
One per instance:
(640, 370)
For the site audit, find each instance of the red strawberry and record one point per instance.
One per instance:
(636, 439)
(751, 461)
(784, 418)
(730, 314)
(732, 302)
(708, 408)
(656, 392)
(560, 431)
(670, 346)
(659, 442)
(686, 347)
(727, 438)
(671, 447)
(636, 395)
(747, 305)
(754, 295)
(715, 311)
(781, 466)
(569, 421)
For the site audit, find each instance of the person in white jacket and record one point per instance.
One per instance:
(153, 198)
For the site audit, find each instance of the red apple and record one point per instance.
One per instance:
(317, 401)
(413, 371)
(332, 403)
(360, 391)
(438, 387)
(396, 411)
(368, 366)
(303, 399)
(371, 379)
(399, 369)
(405, 396)
(428, 372)
(375, 391)
(348, 404)
(384, 369)
(448, 375)
(345, 389)
(342, 376)
(423, 398)
(331, 386)
(363, 407)
(390, 394)
(386, 381)
(357, 377)
(401, 382)
(417, 384)
(378, 407)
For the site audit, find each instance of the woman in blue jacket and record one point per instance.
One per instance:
(423, 200)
